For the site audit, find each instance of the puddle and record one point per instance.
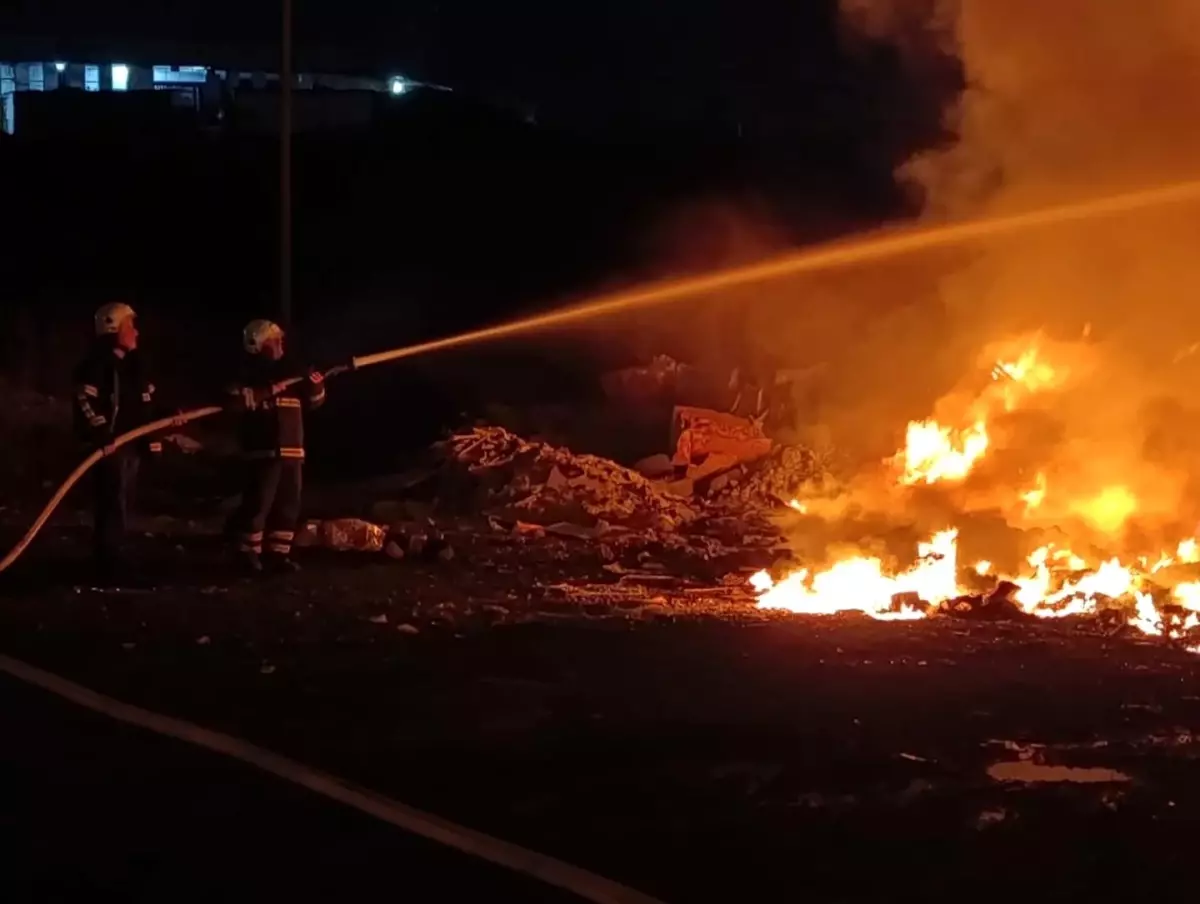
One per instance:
(1033, 773)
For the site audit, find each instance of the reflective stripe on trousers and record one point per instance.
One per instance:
(279, 542)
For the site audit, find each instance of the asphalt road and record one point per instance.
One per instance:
(90, 807)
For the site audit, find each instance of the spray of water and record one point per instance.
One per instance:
(862, 249)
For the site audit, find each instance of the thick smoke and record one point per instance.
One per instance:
(1066, 100)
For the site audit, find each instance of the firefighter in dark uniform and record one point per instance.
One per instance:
(113, 396)
(272, 437)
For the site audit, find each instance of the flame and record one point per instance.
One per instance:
(1034, 498)
(1188, 595)
(859, 584)
(1065, 559)
(1055, 582)
(1024, 376)
(1059, 584)
(936, 452)
(1108, 510)
(933, 452)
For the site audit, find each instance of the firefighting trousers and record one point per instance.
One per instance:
(113, 483)
(266, 519)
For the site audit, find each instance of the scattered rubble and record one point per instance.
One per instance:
(656, 467)
(541, 484)
(775, 480)
(720, 460)
(1026, 772)
(709, 442)
(493, 486)
(343, 535)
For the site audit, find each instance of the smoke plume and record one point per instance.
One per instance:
(1072, 100)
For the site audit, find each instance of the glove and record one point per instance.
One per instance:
(316, 388)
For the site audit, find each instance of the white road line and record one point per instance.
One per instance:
(586, 885)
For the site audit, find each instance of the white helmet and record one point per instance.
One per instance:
(258, 333)
(111, 317)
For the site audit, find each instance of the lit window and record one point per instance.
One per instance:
(180, 75)
(91, 78)
(120, 77)
(37, 77)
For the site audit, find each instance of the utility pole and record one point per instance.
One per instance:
(285, 169)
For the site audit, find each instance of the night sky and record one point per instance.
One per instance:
(766, 67)
(662, 127)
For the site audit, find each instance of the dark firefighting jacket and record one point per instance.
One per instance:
(272, 419)
(113, 395)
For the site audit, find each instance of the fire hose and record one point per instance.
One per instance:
(166, 423)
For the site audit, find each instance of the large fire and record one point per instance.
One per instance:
(1054, 583)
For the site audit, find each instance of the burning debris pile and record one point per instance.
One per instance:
(715, 496)
(1155, 591)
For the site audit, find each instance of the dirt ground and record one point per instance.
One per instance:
(680, 742)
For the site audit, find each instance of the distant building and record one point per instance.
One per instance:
(212, 94)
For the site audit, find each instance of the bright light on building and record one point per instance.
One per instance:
(397, 86)
(120, 77)
(60, 67)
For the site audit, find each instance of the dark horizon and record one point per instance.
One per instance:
(770, 69)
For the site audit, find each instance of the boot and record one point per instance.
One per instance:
(250, 562)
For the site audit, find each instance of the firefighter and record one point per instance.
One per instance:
(272, 437)
(113, 396)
